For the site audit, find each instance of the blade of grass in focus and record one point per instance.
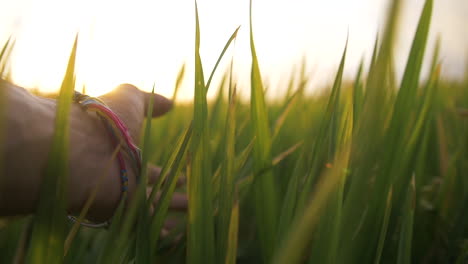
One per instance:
(200, 240)
(266, 209)
(227, 185)
(143, 243)
(172, 170)
(228, 43)
(48, 236)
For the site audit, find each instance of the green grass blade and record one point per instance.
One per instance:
(172, 170)
(143, 253)
(179, 79)
(200, 240)
(357, 94)
(228, 43)
(264, 184)
(384, 227)
(231, 253)
(5, 56)
(291, 250)
(47, 242)
(325, 144)
(406, 234)
(282, 117)
(362, 211)
(227, 184)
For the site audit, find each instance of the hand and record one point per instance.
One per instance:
(30, 126)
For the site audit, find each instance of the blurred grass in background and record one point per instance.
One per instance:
(369, 171)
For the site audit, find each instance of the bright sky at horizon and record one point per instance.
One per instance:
(144, 42)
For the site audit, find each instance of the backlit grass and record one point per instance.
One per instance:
(369, 171)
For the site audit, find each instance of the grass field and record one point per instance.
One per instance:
(372, 170)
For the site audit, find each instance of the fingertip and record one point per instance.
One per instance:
(161, 104)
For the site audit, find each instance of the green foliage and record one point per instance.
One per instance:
(266, 202)
(370, 171)
(48, 235)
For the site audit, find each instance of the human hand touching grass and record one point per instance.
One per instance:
(29, 131)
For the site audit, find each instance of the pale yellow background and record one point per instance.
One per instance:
(146, 42)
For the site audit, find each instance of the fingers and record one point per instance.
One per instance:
(179, 202)
(161, 104)
(127, 97)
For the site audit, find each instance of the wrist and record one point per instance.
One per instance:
(95, 157)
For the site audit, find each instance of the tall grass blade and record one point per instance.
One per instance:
(231, 253)
(48, 236)
(291, 250)
(324, 147)
(143, 250)
(264, 184)
(172, 170)
(406, 235)
(5, 56)
(228, 43)
(384, 227)
(227, 185)
(200, 243)
(179, 79)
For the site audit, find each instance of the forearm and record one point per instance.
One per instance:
(30, 128)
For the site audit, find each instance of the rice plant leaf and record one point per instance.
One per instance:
(5, 56)
(282, 117)
(325, 145)
(291, 249)
(264, 183)
(143, 251)
(172, 170)
(383, 230)
(48, 236)
(200, 240)
(227, 185)
(231, 253)
(406, 235)
(179, 79)
(228, 43)
(357, 94)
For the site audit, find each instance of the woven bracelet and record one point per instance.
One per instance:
(119, 135)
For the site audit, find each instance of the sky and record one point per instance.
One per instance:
(145, 42)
